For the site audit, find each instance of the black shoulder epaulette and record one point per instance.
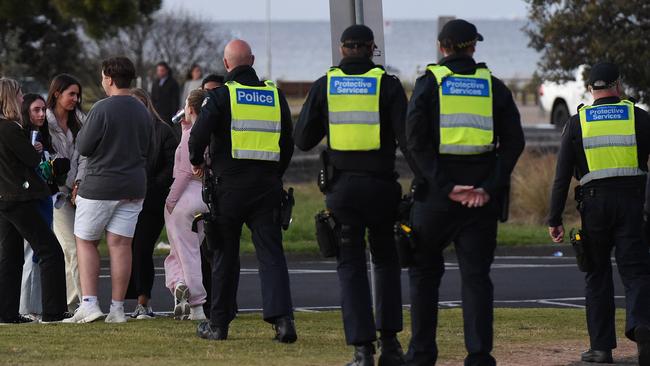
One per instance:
(580, 106)
(631, 99)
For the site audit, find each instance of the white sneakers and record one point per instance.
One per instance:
(116, 315)
(196, 313)
(181, 305)
(86, 313)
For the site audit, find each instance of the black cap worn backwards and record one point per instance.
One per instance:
(603, 75)
(357, 34)
(459, 33)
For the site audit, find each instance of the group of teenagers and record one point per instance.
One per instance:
(43, 206)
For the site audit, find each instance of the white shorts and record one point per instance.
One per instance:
(92, 217)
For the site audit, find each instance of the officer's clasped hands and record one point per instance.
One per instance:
(469, 196)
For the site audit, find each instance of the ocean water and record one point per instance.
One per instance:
(301, 51)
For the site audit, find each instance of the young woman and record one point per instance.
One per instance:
(160, 165)
(20, 190)
(183, 265)
(64, 119)
(33, 115)
(193, 80)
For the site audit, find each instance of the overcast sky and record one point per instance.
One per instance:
(238, 10)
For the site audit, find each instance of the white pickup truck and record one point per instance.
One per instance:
(561, 100)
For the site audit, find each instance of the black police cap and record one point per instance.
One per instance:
(603, 75)
(459, 32)
(357, 33)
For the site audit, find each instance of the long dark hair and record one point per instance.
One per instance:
(46, 140)
(28, 99)
(188, 76)
(144, 97)
(59, 84)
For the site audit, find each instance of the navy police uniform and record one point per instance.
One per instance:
(247, 192)
(363, 197)
(439, 221)
(611, 209)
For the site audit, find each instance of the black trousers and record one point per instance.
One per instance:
(359, 202)
(151, 221)
(259, 209)
(20, 220)
(613, 218)
(473, 232)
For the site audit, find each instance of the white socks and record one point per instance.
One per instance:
(117, 304)
(88, 300)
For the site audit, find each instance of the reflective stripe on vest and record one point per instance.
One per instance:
(255, 126)
(353, 104)
(609, 141)
(466, 124)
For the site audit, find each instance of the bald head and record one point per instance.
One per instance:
(237, 53)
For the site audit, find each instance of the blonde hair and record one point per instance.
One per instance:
(195, 99)
(9, 105)
(142, 95)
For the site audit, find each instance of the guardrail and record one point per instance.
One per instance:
(305, 165)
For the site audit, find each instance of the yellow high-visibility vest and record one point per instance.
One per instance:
(609, 141)
(466, 124)
(353, 104)
(255, 127)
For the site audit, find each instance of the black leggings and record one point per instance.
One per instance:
(147, 231)
(20, 220)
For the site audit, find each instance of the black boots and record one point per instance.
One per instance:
(285, 330)
(391, 352)
(642, 336)
(206, 331)
(596, 356)
(363, 355)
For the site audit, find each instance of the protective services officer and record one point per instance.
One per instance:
(361, 110)
(606, 146)
(464, 133)
(248, 126)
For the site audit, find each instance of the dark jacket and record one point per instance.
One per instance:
(213, 127)
(165, 98)
(313, 123)
(490, 171)
(160, 158)
(18, 163)
(572, 162)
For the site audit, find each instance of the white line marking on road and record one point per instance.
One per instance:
(563, 304)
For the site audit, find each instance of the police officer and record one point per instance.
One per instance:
(361, 109)
(464, 133)
(248, 127)
(606, 146)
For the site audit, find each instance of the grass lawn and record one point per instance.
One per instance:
(320, 342)
(300, 238)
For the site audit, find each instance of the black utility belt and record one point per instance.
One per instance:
(365, 173)
(589, 191)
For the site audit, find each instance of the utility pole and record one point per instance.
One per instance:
(269, 75)
(344, 13)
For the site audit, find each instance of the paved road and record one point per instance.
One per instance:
(519, 281)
